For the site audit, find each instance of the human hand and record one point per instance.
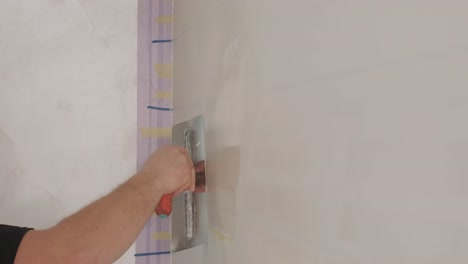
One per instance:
(172, 170)
(164, 207)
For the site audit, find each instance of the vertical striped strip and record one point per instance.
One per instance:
(153, 245)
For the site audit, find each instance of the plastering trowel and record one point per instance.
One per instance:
(189, 209)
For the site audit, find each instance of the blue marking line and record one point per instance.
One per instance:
(161, 41)
(159, 108)
(152, 253)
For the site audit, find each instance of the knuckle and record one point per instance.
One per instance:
(173, 148)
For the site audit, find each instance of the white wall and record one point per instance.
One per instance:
(67, 106)
(336, 130)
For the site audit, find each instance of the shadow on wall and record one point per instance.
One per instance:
(225, 165)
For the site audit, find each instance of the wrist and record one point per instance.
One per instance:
(150, 183)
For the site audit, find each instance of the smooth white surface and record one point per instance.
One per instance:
(67, 106)
(336, 130)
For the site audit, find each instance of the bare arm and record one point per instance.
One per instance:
(105, 229)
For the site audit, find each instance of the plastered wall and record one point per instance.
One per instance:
(67, 106)
(336, 130)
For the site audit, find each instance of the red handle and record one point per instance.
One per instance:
(164, 208)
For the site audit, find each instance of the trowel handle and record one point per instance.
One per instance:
(164, 208)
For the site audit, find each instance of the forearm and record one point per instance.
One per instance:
(105, 229)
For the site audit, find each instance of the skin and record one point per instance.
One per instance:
(104, 230)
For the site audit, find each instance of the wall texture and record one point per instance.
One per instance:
(67, 106)
(336, 130)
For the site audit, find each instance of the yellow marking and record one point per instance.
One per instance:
(221, 235)
(152, 132)
(162, 95)
(164, 19)
(163, 70)
(161, 236)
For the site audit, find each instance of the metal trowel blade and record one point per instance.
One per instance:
(189, 210)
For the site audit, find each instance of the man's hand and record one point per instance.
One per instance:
(172, 169)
